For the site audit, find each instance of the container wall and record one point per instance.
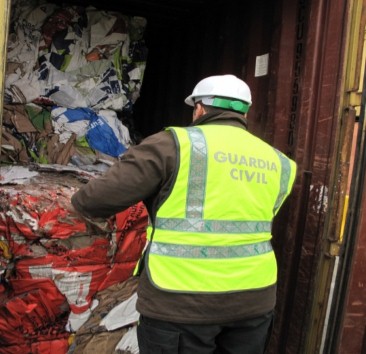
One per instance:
(295, 108)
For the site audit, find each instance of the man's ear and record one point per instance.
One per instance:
(199, 111)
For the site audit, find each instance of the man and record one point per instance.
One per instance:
(208, 276)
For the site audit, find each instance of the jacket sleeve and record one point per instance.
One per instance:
(138, 176)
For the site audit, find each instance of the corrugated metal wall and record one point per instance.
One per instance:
(314, 117)
(4, 20)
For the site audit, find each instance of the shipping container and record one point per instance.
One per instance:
(304, 62)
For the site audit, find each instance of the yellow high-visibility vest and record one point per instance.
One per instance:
(212, 233)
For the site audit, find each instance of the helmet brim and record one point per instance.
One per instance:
(189, 101)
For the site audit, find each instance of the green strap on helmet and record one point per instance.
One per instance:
(234, 105)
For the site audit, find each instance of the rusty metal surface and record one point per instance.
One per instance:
(353, 335)
(4, 21)
(312, 120)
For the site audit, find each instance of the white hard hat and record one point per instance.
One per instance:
(224, 91)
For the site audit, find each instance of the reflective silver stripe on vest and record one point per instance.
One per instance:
(285, 178)
(188, 251)
(214, 226)
(197, 174)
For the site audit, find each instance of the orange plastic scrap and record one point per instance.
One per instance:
(78, 283)
(131, 239)
(20, 216)
(59, 261)
(58, 346)
(59, 223)
(94, 55)
(27, 315)
(4, 250)
(44, 215)
(15, 349)
(55, 302)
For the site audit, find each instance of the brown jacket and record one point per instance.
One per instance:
(146, 172)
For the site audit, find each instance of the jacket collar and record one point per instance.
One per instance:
(224, 118)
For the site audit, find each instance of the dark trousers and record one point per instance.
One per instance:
(248, 336)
